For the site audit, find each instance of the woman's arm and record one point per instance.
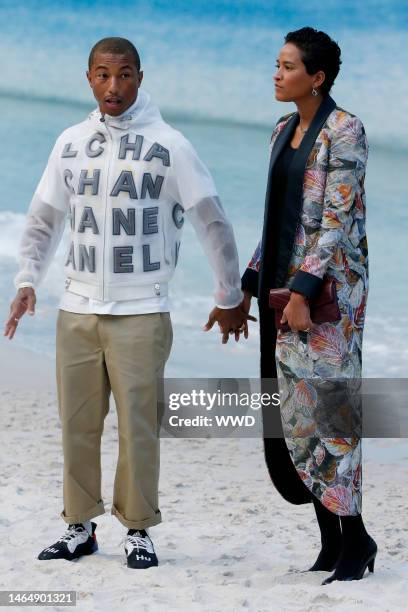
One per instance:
(250, 278)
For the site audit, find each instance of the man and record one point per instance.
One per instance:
(124, 177)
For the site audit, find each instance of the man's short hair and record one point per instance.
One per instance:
(114, 44)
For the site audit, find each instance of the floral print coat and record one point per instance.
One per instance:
(322, 235)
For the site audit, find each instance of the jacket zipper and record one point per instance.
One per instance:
(106, 207)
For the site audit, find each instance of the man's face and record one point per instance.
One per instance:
(115, 80)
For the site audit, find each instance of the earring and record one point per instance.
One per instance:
(314, 92)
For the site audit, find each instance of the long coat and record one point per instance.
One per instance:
(321, 232)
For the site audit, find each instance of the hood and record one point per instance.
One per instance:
(142, 112)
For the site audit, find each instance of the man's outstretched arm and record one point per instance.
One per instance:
(42, 234)
(44, 227)
(194, 189)
(217, 239)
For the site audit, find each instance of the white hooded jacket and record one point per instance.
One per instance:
(125, 183)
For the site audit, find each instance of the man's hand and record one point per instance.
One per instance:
(230, 321)
(22, 303)
(297, 313)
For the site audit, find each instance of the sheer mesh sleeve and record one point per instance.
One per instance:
(216, 236)
(42, 234)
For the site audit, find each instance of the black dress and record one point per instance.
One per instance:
(284, 203)
(280, 465)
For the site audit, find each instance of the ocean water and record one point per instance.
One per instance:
(209, 67)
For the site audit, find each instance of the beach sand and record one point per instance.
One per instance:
(228, 541)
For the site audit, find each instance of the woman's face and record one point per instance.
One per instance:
(292, 82)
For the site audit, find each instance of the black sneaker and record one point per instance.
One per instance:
(139, 549)
(78, 540)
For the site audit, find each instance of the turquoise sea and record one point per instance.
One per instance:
(209, 67)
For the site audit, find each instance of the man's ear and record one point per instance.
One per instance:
(88, 76)
(140, 77)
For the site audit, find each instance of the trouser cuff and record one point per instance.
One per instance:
(143, 524)
(84, 516)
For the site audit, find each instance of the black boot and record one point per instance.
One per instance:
(330, 532)
(358, 551)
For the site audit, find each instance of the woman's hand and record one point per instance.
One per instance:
(297, 313)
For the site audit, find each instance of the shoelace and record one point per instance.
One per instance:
(71, 532)
(138, 541)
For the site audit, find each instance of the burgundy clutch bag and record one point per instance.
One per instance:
(323, 309)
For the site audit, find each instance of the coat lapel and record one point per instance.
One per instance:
(281, 140)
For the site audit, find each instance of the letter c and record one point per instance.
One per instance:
(95, 152)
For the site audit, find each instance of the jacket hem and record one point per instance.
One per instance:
(123, 292)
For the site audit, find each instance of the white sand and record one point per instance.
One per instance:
(228, 540)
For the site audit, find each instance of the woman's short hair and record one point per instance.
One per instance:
(319, 52)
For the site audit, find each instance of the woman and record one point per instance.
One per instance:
(314, 228)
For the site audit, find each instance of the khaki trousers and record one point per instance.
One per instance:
(97, 355)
